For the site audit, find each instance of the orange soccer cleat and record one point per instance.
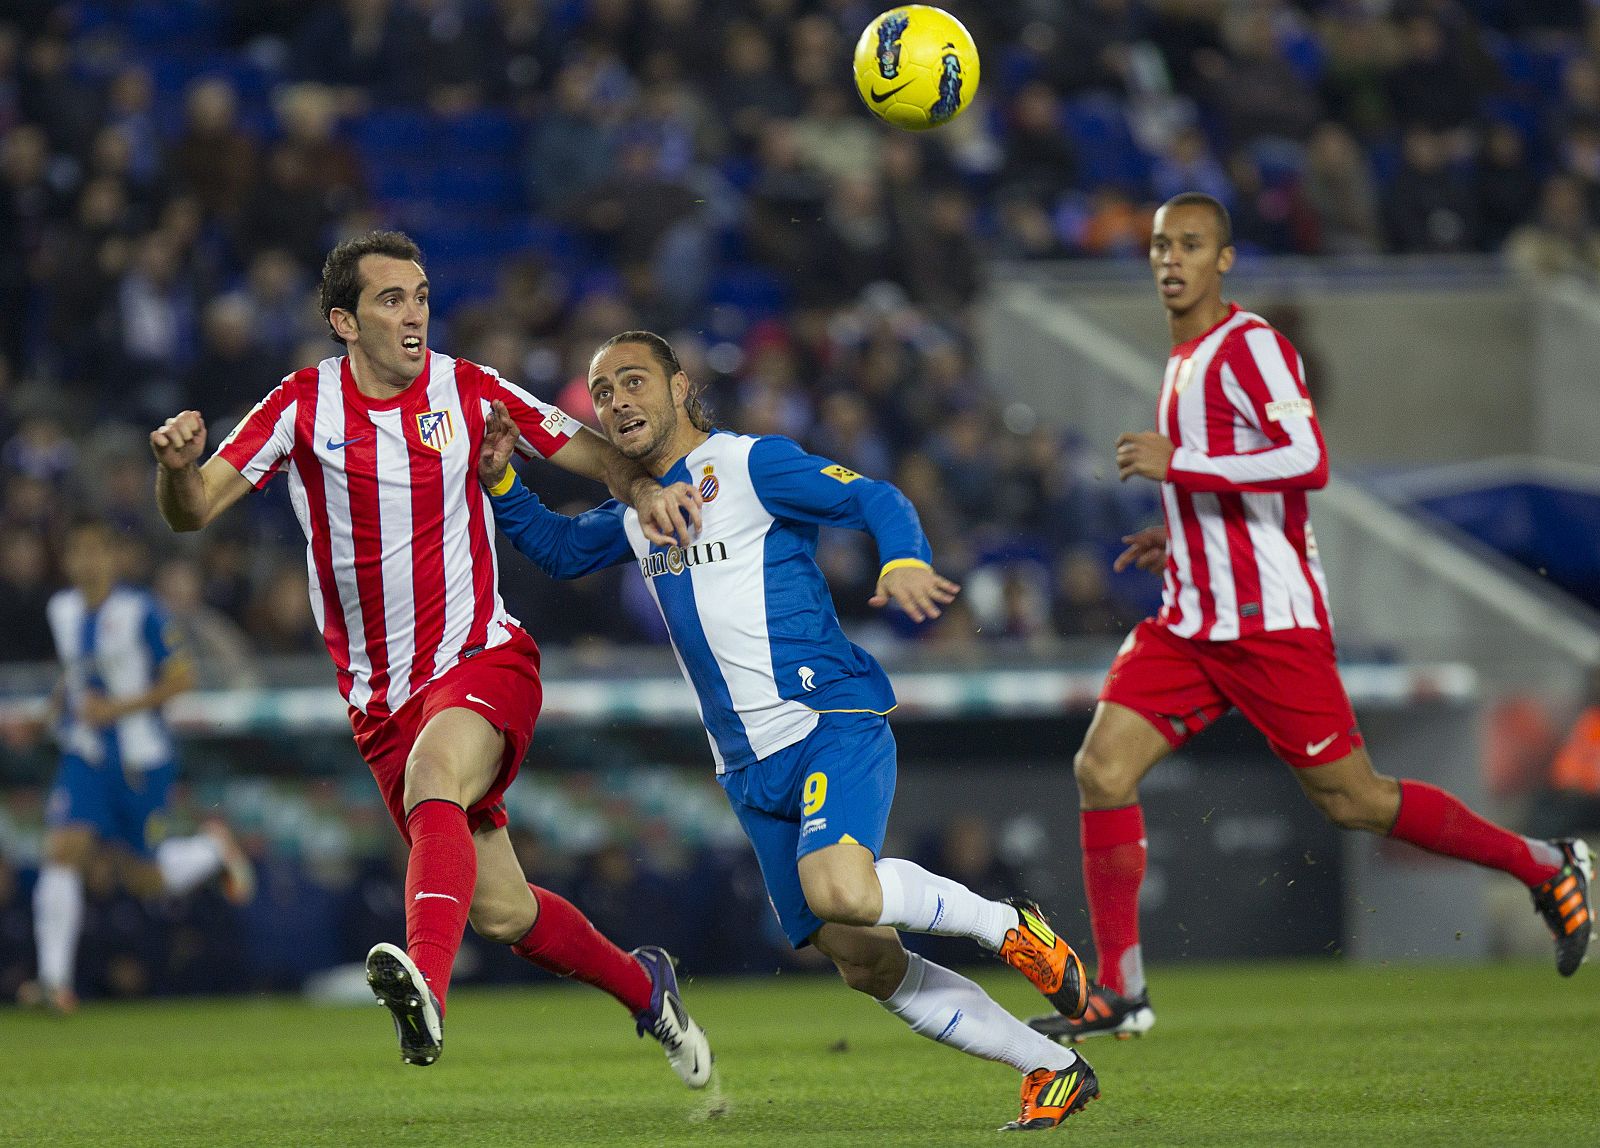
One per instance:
(1034, 950)
(1050, 1095)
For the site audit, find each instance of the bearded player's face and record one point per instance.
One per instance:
(633, 399)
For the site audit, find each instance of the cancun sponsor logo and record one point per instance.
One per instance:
(677, 559)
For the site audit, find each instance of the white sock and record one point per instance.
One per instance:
(188, 862)
(57, 923)
(917, 901)
(947, 1007)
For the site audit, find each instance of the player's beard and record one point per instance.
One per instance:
(665, 428)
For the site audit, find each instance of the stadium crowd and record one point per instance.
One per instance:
(171, 172)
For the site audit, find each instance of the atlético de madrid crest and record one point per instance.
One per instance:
(435, 429)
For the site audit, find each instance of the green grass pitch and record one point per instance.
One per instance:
(1272, 1055)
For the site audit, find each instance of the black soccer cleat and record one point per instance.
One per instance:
(1108, 1014)
(1563, 901)
(402, 989)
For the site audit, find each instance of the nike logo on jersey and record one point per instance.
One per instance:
(341, 445)
(1314, 748)
(480, 701)
(436, 896)
(878, 97)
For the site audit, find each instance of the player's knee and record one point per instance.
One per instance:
(843, 902)
(1346, 810)
(430, 777)
(498, 925)
(1103, 782)
(878, 978)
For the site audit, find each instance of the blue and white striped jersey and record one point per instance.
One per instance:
(747, 608)
(117, 650)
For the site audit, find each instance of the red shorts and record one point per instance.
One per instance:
(1286, 682)
(501, 684)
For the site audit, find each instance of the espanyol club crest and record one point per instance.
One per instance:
(435, 429)
(709, 487)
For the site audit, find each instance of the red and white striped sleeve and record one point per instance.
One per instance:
(545, 428)
(1260, 373)
(264, 438)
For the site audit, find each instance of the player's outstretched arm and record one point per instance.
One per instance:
(188, 495)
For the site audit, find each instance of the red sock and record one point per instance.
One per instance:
(566, 943)
(1440, 822)
(1113, 870)
(440, 876)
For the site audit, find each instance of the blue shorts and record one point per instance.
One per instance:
(834, 786)
(125, 808)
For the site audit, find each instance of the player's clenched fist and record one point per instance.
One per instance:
(180, 441)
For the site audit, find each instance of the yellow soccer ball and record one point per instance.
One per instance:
(916, 67)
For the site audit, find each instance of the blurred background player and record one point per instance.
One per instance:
(380, 446)
(796, 713)
(1244, 622)
(119, 666)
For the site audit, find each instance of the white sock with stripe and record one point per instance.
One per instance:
(57, 923)
(945, 1006)
(186, 863)
(917, 901)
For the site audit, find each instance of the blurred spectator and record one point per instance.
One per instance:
(1507, 187)
(1189, 165)
(219, 649)
(1039, 160)
(1252, 87)
(1570, 803)
(1434, 86)
(232, 373)
(156, 320)
(1340, 190)
(570, 145)
(1562, 239)
(25, 587)
(278, 618)
(1430, 207)
(214, 159)
(308, 115)
(361, 46)
(1083, 605)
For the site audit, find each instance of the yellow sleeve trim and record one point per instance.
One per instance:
(509, 477)
(879, 713)
(897, 563)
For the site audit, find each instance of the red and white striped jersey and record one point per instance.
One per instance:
(1241, 557)
(399, 532)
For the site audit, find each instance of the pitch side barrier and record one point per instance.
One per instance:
(1401, 587)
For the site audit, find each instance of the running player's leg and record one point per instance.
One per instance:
(454, 760)
(78, 814)
(547, 930)
(946, 1007)
(844, 885)
(58, 915)
(1316, 733)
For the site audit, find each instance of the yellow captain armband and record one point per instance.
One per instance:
(506, 479)
(897, 563)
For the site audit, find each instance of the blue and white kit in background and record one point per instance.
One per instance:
(115, 778)
(794, 710)
(748, 609)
